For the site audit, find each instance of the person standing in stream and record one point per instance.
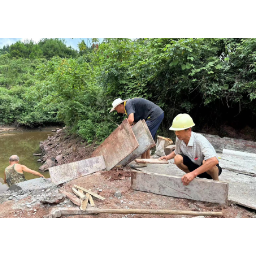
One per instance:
(138, 109)
(14, 172)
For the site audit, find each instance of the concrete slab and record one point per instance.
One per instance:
(145, 140)
(242, 188)
(229, 143)
(118, 145)
(66, 172)
(34, 184)
(238, 163)
(198, 189)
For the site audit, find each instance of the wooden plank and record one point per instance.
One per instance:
(198, 189)
(151, 161)
(66, 172)
(71, 197)
(118, 145)
(81, 196)
(84, 202)
(90, 192)
(91, 201)
(164, 138)
(145, 140)
(56, 213)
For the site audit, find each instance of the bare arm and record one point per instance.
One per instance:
(168, 157)
(131, 118)
(209, 163)
(26, 169)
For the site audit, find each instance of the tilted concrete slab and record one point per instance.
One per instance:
(242, 188)
(229, 143)
(66, 172)
(145, 140)
(245, 164)
(198, 189)
(118, 145)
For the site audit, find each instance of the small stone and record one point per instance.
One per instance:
(118, 194)
(122, 201)
(100, 190)
(10, 198)
(29, 206)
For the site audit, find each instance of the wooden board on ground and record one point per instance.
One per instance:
(84, 202)
(145, 140)
(66, 172)
(90, 192)
(151, 161)
(198, 189)
(118, 145)
(57, 213)
(164, 138)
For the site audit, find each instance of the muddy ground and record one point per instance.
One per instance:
(113, 185)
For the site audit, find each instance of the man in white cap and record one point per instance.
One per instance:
(193, 153)
(137, 109)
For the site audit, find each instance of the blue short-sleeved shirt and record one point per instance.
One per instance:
(142, 109)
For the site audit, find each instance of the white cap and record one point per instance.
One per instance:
(116, 103)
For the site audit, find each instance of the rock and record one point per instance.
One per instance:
(10, 198)
(118, 194)
(59, 158)
(100, 190)
(50, 162)
(53, 199)
(43, 168)
(39, 160)
(14, 188)
(193, 207)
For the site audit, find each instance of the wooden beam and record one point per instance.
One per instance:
(198, 189)
(71, 197)
(151, 161)
(56, 213)
(84, 202)
(91, 201)
(81, 196)
(90, 192)
(164, 138)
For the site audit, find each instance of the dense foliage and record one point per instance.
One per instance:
(214, 80)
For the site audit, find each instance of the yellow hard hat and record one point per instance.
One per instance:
(182, 122)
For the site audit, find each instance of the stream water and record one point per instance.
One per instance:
(24, 144)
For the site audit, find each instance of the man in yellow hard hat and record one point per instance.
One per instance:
(137, 109)
(193, 153)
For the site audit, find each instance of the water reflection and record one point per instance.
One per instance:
(23, 144)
